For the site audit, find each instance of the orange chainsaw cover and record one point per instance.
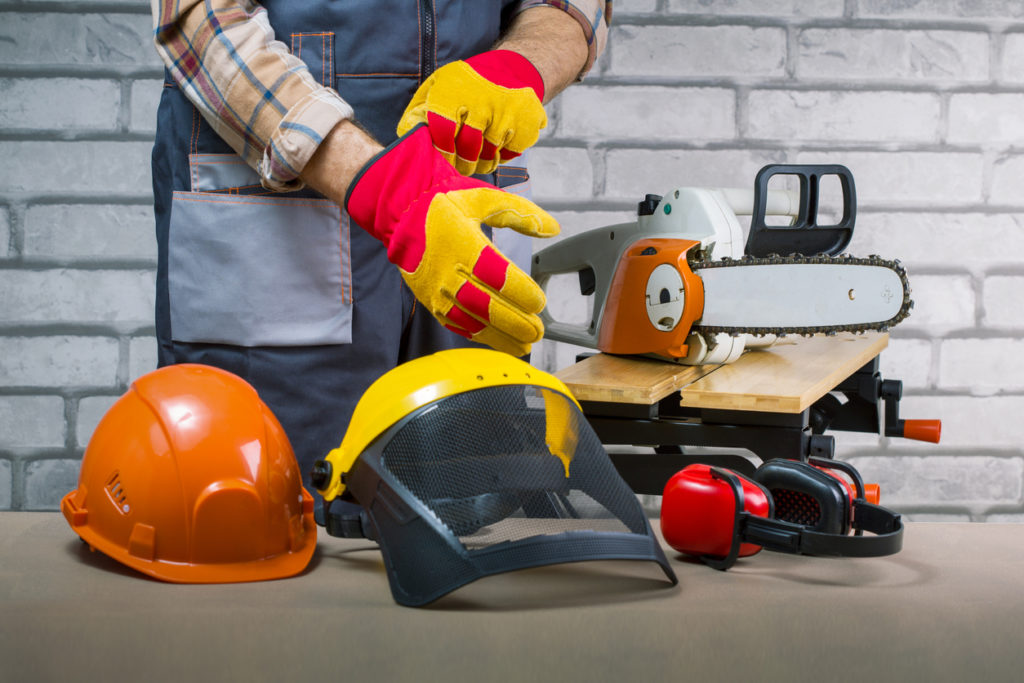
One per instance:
(625, 326)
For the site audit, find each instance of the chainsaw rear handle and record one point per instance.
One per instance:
(593, 255)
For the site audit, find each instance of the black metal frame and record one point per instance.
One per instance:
(871, 402)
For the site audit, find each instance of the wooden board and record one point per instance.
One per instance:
(626, 379)
(785, 378)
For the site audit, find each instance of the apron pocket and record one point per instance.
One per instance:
(226, 173)
(259, 270)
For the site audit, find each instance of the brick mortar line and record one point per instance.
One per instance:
(975, 333)
(56, 7)
(91, 330)
(16, 219)
(617, 203)
(84, 71)
(780, 145)
(124, 112)
(92, 198)
(796, 83)
(77, 135)
(946, 270)
(70, 424)
(34, 265)
(89, 200)
(985, 25)
(27, 455)
(980, 334)
(66, 393)
(938, 392)
(979, 452)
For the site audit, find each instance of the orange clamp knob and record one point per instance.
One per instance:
(872, 493)
(923, 430)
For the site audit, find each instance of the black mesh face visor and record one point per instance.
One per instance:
(490, 481)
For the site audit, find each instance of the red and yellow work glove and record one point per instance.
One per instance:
(481, 111)
(428, 216)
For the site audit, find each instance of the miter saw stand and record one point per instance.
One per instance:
(775, 403)
(671, 408)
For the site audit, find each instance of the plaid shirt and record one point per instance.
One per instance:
(260, 98)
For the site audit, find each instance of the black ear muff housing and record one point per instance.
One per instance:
(806, 495)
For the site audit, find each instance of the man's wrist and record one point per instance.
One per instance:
(339, 158)
(553, 42)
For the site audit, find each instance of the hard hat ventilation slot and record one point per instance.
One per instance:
(117, 493)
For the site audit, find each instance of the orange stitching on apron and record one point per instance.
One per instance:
(218, 198)
(378, 74)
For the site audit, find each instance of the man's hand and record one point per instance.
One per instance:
(480, 111)
(428, 216)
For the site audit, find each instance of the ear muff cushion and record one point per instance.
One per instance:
(806, 495)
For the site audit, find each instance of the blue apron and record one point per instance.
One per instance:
(281, 288)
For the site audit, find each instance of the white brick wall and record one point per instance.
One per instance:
(77, 108)
(5, 233)
(923, 101)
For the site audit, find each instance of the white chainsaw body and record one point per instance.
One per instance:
(704, 215)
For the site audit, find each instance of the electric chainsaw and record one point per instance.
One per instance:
(680, 283)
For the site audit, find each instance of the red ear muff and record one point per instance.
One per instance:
(698, 511)
(789, 506)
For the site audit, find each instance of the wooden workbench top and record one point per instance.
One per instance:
(785, 378)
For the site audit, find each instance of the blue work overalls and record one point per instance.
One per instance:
(280, 288)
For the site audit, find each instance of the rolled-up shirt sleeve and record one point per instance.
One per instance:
(593, 17)
(254, 93)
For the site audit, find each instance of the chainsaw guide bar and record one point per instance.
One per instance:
(700, 267)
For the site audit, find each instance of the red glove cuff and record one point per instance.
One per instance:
(508, 69)
(402, 178)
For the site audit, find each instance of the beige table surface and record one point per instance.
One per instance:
(949, 607)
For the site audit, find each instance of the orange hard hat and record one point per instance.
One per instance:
(190, 478)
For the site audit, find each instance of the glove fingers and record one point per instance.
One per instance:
(460, 322)
(490, 336)
(443, 132)
(468, 144)
(506, 279)
(490, 320)
(501, 342)
(489, 154)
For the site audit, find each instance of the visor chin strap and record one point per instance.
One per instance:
(345, 519)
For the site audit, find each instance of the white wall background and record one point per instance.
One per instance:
(922, 99)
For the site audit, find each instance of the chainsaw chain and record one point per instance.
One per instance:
(775, 259)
